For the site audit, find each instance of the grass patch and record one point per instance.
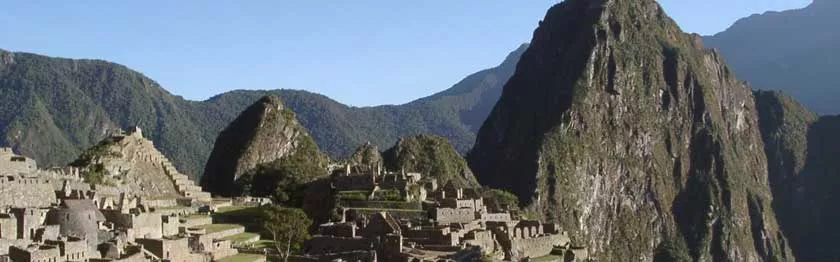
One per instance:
(388, 209)
(242, 257)
(549, 258)
(229, 209)
(241, 237)
(195, 216)
(353, 195)
(264, 243)
(213, 228)
(380, 204)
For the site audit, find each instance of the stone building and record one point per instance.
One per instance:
(53, 215)
(78, 218)
(459, 227)
(29, 220)
(25, 191)
(35, 253)
(14, 163)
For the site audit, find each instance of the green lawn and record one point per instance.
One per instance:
(238, 238)
(195, 216)
(241, 258)
(264, 243)
(387, 209)
(213, 228)
(229, 209)
(549, 258)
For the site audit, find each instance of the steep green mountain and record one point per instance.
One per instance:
(804, 173)
(264, 133)
(432, 156)
(794, 51)
(640, 142)
(53, 108)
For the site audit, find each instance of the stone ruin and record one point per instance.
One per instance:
(449, 223)
(54, 215)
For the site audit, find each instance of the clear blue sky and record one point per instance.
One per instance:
(358, 52)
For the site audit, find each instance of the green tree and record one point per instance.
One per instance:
(500, 200)
(288, 227)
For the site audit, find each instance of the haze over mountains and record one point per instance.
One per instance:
(794, 51)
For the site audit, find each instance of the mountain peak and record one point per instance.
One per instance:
(266, 131)
(618, 125)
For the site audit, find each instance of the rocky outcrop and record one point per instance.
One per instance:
(801, 152)
(784, 127)
(636, 139)
(432, 156)
(367, 157)
(265, 132)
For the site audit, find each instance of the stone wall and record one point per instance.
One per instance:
(158, 203)
(47, 232)
(451, 215)
(71, 249)
(142, 225)
(475, 204)
(29, 219)
(441, 236)
(496, 217)
(338, 229)
(225, 233)
(170, 225)
(17, 191)
(353, 183)
(196, 221)
(355, 214)
(360, 255)
(8, 226)
(482, 239)
(13, 163)
(35, 254)
(176, 249)
(76, 223)
(327, 245)
(5, 244)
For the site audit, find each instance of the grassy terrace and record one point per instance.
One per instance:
(229, 209)
(196, 216)
(241, 258)
(353, 195)
(171, 208)
(241, 237)
(549, 258)
(387, 209)
(213, 228)
(264, 243)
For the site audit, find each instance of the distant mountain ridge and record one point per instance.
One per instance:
(794, 51)
(53, 108)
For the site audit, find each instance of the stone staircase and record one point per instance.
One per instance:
(185, 186)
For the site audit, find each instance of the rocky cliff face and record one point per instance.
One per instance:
(636, 139)
(801, 150)
(367, 157)
(266, 131)
(432, 156)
